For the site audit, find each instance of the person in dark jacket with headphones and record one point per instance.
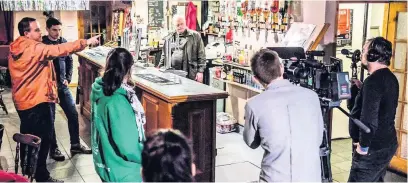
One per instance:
(375, 106)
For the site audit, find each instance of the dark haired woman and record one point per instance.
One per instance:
(167, 157)
(117, 122)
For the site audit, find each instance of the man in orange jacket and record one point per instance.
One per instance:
(34, 87)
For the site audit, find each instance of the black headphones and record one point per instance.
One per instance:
(373, 55)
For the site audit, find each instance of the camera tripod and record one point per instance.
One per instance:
(327, 105)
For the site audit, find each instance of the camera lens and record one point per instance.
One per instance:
(300, 72)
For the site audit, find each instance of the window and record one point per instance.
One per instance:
(95, 21)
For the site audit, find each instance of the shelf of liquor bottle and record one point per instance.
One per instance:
(240, 85)
(217, 63)
(238, 65)
(213, 34)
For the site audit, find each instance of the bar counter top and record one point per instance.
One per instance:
(181, 89)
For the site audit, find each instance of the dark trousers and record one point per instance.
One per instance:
(38, 121)
(373, 166)
(67, 104)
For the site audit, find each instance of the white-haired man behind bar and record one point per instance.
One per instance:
(189, 54)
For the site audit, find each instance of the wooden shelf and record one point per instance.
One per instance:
(217, 63)
(238, 65)
(212, 34)
(240, 85)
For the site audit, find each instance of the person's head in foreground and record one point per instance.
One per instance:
(117, 70)
(30, 28)
(266, 66)
(167, 157)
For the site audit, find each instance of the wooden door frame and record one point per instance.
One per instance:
(81, 16)
(391, 11)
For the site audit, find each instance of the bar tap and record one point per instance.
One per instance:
(168, 42)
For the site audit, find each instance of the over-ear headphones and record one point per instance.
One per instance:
(372, 54)
(381, 44)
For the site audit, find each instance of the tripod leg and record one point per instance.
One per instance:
(325, 149)
(325, 159)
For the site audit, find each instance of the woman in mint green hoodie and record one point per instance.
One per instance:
(117, 122)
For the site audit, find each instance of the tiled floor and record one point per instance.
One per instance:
(235, 161)
(76, 169)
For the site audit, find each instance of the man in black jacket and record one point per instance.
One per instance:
(63, 69)
(375, 106)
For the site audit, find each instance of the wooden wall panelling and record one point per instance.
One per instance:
(151, 106)
(196, 120)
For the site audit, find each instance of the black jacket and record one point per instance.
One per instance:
(194, 54)
(63, 65)
(375, 106)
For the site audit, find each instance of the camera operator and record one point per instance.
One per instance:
(286, 120)
(375, 106)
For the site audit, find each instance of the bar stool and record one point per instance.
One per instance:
(3, 71)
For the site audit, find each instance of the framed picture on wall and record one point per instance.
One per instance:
(344, 27)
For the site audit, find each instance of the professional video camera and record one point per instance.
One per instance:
(331, 84)
(326, 79)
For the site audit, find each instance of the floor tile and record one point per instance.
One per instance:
(342, 141)
(73, 179)
(86, 170)
(336, 170)
(341, 177)
(7, 154)
(60, 165)
(10, 162)
(92, 178)
(345, 155)
(228, 159)
(346, 165)
(64, 173)
(82, 160)
(336, 159)
(238, 172)
(338, 149)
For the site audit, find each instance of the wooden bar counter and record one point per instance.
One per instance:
(187, 106)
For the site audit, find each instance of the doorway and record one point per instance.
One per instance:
(356, 22)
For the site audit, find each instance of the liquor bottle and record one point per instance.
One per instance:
(266, 12)
(242, 56)
(258, 10)
(233, 75)
(244, 9)
(241, 76)
(252, 10)
(119, 41)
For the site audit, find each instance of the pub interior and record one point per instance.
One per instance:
(203, 98)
